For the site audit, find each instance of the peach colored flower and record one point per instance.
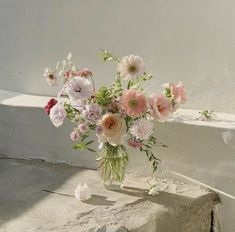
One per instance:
(134, 102)
(160, 107)
(113, 129)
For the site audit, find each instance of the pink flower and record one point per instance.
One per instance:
(83, 127)
(160, 107)
(74, 136)
(81, 73)
(134, 143)
(49, 105)
(84, 73)
(134, 102)
(178, 92)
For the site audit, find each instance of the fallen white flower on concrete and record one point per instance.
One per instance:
(82, 192)
(162, 186)
(155, 189)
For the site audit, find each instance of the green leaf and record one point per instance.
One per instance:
(89, 142)
(108, 56)
(79, 146)
(84, 137)
(103, 96)
(90, 149)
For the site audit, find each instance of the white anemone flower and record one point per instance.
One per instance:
(141, 129)
(57, 114)
(131, 67)
(82, 192)
(50, 77)
(79, 88)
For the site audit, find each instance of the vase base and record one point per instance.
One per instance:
(113, 186)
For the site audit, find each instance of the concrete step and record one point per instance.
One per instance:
(37, 196)
(198, 151)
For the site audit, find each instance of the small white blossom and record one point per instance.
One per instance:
(82, 192)
(50, 76)
(69, 56)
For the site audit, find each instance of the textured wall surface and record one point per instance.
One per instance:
(192, 41)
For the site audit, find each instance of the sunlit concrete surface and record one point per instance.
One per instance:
(37, 196)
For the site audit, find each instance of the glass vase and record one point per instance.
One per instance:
(112, 162)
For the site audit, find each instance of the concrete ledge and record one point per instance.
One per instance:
(36, 196)
(200, 151)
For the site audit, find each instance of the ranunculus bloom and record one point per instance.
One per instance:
(160, 107)
(113, 129)
(57, 114)
(49, 105)
(134, 102)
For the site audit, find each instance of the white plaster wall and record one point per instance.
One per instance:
(188, 40)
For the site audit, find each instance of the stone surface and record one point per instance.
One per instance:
(37, 196)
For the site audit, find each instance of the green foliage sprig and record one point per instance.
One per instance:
(108, 56)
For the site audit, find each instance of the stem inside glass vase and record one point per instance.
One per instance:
(112, 163)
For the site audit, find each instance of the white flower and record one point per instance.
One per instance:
(82, 192)
(50, 77)
(141, 129)
(69, 56)
(131, 67)
(57, 114)
(153, 191)
(79, 88)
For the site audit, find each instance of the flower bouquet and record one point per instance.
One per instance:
(120, 115)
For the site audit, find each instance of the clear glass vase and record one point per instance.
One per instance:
(112, 163)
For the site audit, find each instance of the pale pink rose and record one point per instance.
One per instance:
(160, 107)
(113, 129)
(57, 114)
(134, 102)
(177, 91)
